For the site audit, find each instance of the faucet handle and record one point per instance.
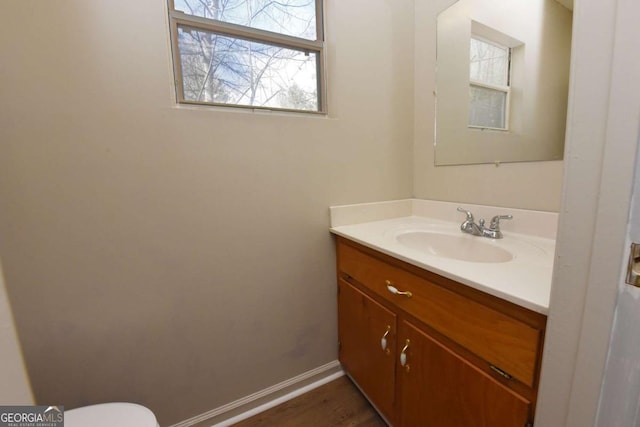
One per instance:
(466, 212)
(495, 221)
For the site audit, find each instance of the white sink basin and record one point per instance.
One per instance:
(517, 268)
(460, 247)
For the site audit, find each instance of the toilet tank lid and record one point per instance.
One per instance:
(109, 415)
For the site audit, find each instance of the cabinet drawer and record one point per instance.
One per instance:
(501, 340)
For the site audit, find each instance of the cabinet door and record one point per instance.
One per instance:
(440, 389)
(362, 325)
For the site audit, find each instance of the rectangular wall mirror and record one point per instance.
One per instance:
(502, 81)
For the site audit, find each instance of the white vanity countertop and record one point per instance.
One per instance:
(524, 280)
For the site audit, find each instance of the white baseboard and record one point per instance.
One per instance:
(262, 400)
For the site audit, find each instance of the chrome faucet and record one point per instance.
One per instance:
(492, 232)
(469, 226)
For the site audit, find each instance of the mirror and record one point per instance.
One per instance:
(502, 81)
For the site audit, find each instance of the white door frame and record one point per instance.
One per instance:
(602, 136)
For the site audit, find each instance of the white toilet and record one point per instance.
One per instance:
(110, 415)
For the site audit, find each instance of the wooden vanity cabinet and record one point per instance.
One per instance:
(452, 356)
(364, 326)
(438, 387)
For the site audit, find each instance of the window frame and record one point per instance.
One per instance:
(506, 89)
(226, 29)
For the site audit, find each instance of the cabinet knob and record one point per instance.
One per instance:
(395, 290)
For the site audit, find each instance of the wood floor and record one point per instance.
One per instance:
(336, 404)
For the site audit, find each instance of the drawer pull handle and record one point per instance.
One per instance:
(403, 355)
(500, 372)
(395, 290)
(383, 340)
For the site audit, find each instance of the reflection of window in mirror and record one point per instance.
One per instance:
(489, 91)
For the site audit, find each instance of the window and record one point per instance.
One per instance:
(249, 53)
(489, 85)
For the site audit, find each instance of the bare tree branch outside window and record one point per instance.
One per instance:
(224, 69)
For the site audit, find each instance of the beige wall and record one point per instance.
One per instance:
(534, 185)
(180, 257)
